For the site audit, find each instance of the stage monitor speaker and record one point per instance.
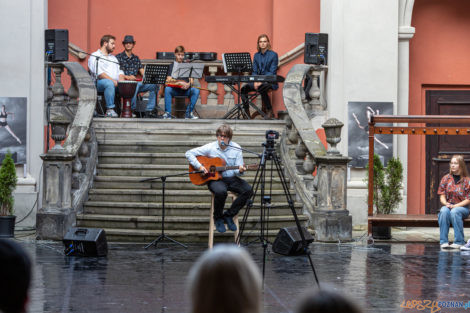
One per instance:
(289, 242)
(57, 44)
(85, 242)
(316, 48)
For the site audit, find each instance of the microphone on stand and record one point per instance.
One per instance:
(223, 144)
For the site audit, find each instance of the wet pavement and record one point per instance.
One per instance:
(382, 277)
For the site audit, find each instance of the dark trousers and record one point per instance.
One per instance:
(220, 187)
(263, 91)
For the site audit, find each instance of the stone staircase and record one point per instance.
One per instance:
(133, 149)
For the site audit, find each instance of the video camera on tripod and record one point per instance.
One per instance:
(271, 135)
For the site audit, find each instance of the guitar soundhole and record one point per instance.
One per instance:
(212, 171)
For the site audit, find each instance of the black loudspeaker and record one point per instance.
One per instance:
(85, 242)
(289, 242)
(316, 48)
(57, 44)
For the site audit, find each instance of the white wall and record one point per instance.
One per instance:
(362, 66)
(23, 23)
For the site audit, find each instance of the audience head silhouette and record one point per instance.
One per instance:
(327, 301)
(15, 276)
(225, 279)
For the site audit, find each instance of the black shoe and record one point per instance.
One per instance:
(219, 225)
(150, 114)
(230, 224)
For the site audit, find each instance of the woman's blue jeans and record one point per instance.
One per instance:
(446, 217)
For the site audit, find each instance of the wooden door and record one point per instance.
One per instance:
(439, 149)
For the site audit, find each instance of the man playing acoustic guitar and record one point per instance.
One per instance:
(231, 153)
(183, 88)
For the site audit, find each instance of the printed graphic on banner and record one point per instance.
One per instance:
(13, 126)
(358, 132)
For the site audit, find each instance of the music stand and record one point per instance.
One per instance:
(190, 70)
(237, 63)
(155, 74)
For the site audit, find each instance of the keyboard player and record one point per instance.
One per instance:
(265, 62)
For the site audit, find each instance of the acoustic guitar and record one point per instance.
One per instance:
(214, 166)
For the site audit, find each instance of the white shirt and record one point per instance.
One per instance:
(112, 69)
(232, 156)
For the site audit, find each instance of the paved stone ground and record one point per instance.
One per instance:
(382, 277)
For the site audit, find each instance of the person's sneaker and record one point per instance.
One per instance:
(230, 224)
(466, 247)
(455, 246)
(111, 113)
(191, 116)
(166, 115)
(445, 246)
(219, 225)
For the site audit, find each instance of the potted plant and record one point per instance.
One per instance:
(387, 195)
(7, 186)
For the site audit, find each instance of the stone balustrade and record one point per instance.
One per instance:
(70, 164)
(324, 194)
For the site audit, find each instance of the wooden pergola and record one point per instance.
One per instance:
(418, 220)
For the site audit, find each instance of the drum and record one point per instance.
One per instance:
(126, 91)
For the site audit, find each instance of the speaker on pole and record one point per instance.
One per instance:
(85, 242)
(57, 44)
(289, 242)
(316, 48)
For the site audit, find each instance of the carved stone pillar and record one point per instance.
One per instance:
(331, 219)
(56, 215)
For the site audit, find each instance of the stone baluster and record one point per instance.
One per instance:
(228, 96)
(300, 153)
(59, 115)
(212, 98)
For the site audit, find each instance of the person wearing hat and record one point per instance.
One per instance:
(131, 66)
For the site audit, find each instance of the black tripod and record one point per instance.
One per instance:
(269, 153)
(163, 236)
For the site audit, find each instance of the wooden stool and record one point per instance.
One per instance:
(211, 217)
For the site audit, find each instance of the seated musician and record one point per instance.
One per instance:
(180, 87)
(230, 152)
(265, 62)
(104, 68)
(131, 65)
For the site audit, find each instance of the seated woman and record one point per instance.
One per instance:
(225, 279)
(454, 191)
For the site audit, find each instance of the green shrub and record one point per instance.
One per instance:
(7, 185)
(387, 185)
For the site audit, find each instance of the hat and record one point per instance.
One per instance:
(128, 38)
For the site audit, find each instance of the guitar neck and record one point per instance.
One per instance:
(226, 168)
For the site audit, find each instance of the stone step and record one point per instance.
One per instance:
(187, 236)
(154, 158)
(176, 208)
(155, 196)
(133, 182)
(104, 134)
(188, 125)
(165, 146)
(175, 222)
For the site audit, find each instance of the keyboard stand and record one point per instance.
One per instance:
(238, 111)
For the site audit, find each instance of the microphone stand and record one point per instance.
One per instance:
(163, 236)
(241, 149)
